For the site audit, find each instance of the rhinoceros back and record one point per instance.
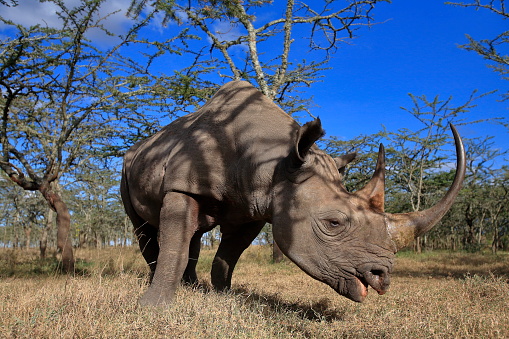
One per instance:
(227, 150)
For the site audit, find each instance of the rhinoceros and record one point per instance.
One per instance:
(240, 162)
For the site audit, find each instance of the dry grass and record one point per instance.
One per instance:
(432, 296)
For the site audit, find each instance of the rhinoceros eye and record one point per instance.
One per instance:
(331, 223)
(338, 220)
(334, 223)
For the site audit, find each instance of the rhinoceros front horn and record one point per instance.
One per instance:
(405, 227)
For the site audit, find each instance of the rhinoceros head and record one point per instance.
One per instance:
(344, 239)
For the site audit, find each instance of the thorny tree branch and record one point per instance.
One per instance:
(496, 6)
(253, 52)
(326, 24)
(222, 46)
(287, 41)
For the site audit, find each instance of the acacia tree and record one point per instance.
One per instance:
(497, 209)
(480, 190)
(62, 99)
(28, 213)
(21, 210)
(95, 202)
(243, 46)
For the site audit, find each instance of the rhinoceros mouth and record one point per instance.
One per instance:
(356, 288)
(374, 283)
(379, 284)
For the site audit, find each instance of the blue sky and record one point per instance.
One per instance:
(413, 49)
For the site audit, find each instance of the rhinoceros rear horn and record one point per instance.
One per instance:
(344, 160)
(405, 227)
(374, 191)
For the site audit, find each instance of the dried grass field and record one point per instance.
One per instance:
(433, 295)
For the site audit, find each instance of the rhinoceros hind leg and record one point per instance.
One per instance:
(178, 222)
(190, 276)
(230, 249)
(149, 247)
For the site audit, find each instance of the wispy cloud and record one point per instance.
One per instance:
(225, 31)
(30, 13)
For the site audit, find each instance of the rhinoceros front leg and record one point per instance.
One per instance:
(178, 222)
(231, 247)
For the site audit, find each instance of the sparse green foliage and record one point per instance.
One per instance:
(98, 214)
(244, 45)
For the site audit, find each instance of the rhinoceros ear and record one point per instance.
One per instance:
(306, 137)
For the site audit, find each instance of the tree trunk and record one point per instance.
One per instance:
(213, 238)
(417, 245)
(28, 231)
(15, 230)
(494, 244)
(82, 243)
(126, 230)
(98, 241)
(43, 244)
(64, 244)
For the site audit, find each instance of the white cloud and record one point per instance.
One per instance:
(29, 13)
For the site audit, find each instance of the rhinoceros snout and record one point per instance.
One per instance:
(378, 278)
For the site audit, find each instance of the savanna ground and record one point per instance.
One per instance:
(433, 295)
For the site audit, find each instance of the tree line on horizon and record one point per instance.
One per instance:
(71, 107)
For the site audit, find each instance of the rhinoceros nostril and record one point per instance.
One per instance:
(378, 273)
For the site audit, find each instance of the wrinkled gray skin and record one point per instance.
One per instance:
(240, 162)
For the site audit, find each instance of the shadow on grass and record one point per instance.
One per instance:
(316, 311)
(451, 265)
(270, 304)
